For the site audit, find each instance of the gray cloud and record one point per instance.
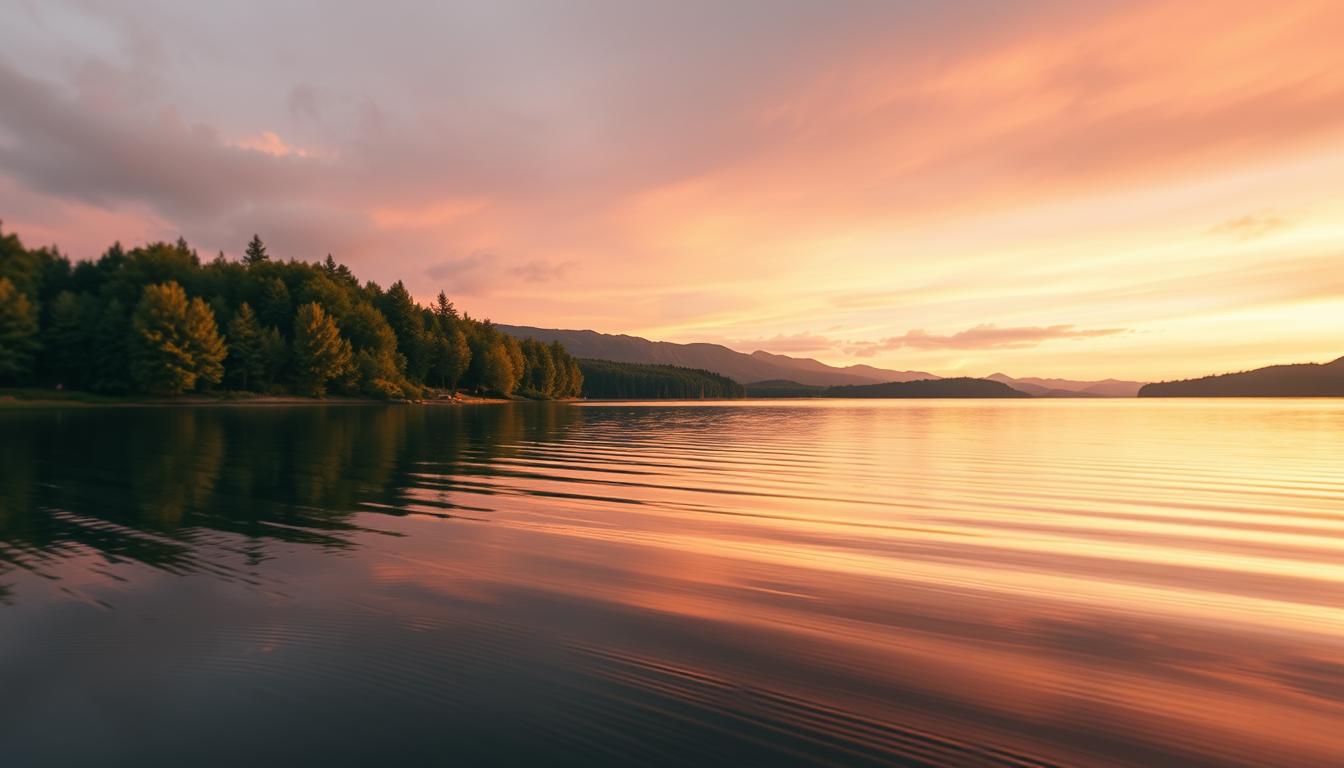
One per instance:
(539, 271)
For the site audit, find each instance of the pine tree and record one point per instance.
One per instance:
(246, 364)
(110, 336)
(444, 309)
(450, 356)
(161, 359)
(274, 356)
(256, 251)
(18, 333)
(274, 308)
(404, 317)
(66, 339)
(206, 346)
(320, 354)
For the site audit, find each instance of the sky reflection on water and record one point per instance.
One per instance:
(967, 583)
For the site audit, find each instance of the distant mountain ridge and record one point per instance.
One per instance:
(739, 366)
(1039, 387)
(959, 387)
(1298, 380)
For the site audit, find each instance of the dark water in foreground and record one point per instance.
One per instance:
(948, 583)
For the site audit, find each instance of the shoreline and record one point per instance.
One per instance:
(18, 399)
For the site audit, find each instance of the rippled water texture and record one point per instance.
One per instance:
(948, 583)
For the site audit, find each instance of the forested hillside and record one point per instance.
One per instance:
(961, 386)
(1299, 380)
(605, 379)
(157, 320)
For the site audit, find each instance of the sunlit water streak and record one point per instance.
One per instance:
(830, 582)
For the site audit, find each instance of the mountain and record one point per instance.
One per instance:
(738, 366)
(1301, 380)
(956, 387)
(1069, 388)
(783, 388)
(876, 375)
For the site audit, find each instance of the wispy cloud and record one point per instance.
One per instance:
(985, 336)
(1251, 226)
(540, 271)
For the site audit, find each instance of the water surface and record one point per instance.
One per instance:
(813, 582)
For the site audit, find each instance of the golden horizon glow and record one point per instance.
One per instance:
(1134, 190)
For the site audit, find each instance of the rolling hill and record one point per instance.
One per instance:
(1039, 387)
(956, 387)
(741, 367)
(1300, 380)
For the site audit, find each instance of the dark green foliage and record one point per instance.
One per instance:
(18, 333)
(961, 386)
(273, 303)
(246, 365)
(274, 357)
(783, 388)
(111, 340)
(256, 251)
(609, 380)
(405, 318)
(72, 326)
(67, 333)
(320, 354)
(449, 357)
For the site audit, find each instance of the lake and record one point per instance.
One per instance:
(1066, 582)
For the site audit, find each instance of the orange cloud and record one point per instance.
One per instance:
(270, 143)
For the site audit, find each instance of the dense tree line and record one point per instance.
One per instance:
(611, 380)
(157, 320)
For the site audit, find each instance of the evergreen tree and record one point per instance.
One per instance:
(274, 356)
(514, 350)
(320, 354)
(575, 382)
(256, 252)
(404, 317)
(18, 333)
(497, 371)
(173, 342)
(444, 309)
(85, 335)
(274, 308)
(206, 346)
(562, 384)
(246, 363)
(110, 343)
(66, 339)
(451, 356)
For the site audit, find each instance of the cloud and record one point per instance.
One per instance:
(1252, 226)
(69, 149)
(539, 271)
(985, 336)
(270, 143)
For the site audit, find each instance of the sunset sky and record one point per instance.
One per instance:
(1134, 189)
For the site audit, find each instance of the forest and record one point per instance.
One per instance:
(616, 381)
(156, 320)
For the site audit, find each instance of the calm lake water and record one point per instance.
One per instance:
(850, 583)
